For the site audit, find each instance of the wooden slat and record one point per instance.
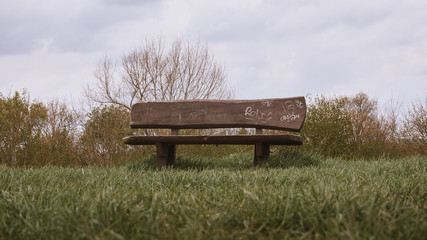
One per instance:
(285, 139)
(279, 113)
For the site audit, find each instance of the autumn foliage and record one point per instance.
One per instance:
(36, 133)
(356, 127)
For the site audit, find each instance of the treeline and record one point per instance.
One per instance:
(33, 133)
(355, 127)
(37, 133)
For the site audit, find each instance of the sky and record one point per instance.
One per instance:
(269, 48)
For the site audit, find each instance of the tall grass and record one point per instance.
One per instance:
(295, 195)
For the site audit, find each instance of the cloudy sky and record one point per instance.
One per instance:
(270, 48)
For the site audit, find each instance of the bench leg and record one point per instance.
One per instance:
(165, 154)
(261, 153)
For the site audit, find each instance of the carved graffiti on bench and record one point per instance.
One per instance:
(290, 108)
(289, 111)
(256, 114)
(194, 111)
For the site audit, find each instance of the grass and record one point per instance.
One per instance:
(296, 196)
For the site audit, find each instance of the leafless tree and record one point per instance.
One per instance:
(156, 73)
(60, 132)
(416, 122)
(390, 120)
(363, 112)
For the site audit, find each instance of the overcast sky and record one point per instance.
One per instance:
(270, 48)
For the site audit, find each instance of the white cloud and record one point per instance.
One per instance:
(47, 75)
(270, 48)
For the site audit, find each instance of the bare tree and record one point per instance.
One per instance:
(390, 120)
(415, 124)
(154, 73)
(61, 132)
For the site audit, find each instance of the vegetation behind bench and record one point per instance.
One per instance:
(279, 114)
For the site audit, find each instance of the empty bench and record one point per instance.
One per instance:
(278, 114)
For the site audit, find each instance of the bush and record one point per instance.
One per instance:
(21, 124)
(101, 140)
(328, 127)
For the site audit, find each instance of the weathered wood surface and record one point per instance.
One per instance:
(165, 154)
(283, 139)
(279, 113)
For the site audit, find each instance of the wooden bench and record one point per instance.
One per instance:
(279, 114)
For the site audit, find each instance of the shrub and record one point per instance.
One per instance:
(21, 123)
(328, 127)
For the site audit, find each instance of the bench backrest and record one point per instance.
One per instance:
(279, 113)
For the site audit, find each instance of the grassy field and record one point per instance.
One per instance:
(296, 196)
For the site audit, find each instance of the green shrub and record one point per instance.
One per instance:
(328, 128)
(21, 125)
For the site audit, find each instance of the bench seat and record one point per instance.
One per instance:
(282, 139)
